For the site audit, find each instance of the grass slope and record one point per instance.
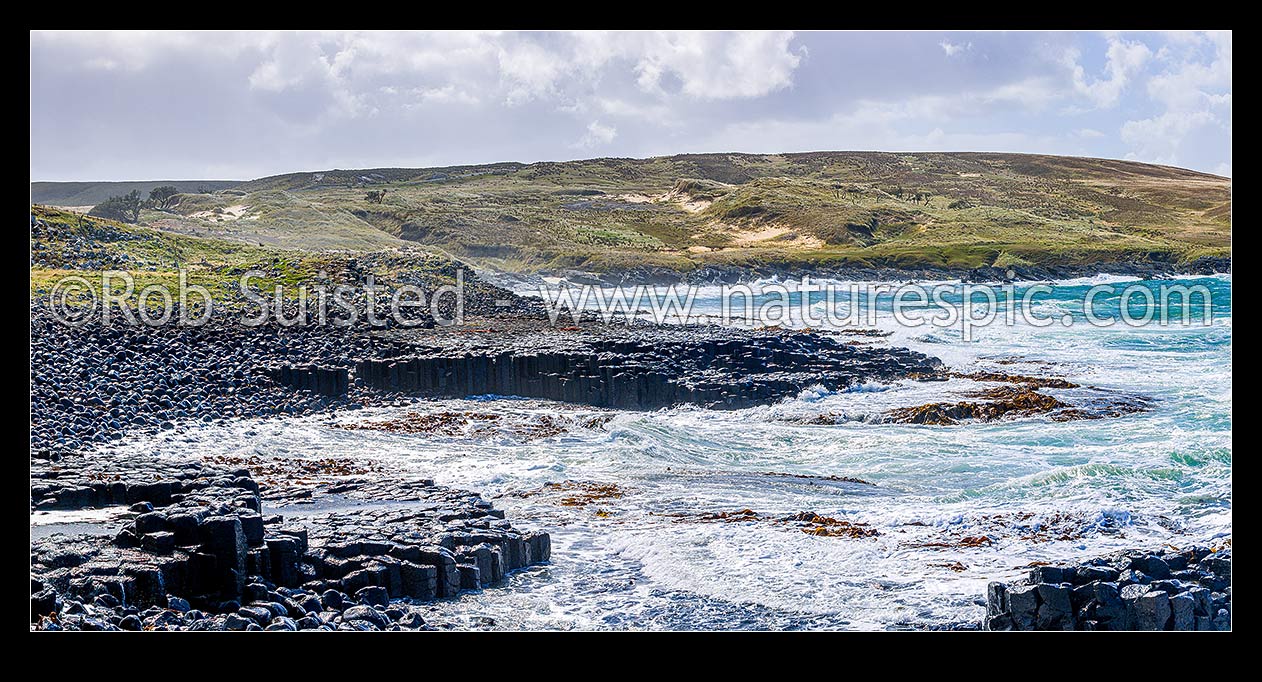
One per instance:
(681, 212)
(70, 243)
(93, 193)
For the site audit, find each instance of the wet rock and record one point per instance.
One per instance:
(332, 599)
(223, 539)
(1091, 574)
(1134, 577)
(1183, 612)
(1152, 566)
(639, 369)
(1219, 564)
(1151, 611)
(259, 614)
(1170, 587)
(373, 596)
(996, 599)
(366, 614)
(1109, 608)
(1001, 622)
(412, 620)
(470, 577)
(158, 543)
(152, 522)
(277, 609)
(1055, 612)
(1023, 601)
(282, 624)
(1201, 601)
(1051, 574)
(1176, 562)
(201, 541)
(1134, 601)
(1130, 593)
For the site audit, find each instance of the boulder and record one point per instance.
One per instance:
(1055, 611)
(1182, 612)
(1023, 601)
(1151, 611)
(1151, 565)
(366, 614)
(373, 596)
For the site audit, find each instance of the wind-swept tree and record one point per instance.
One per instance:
(161, 197)
(125, 208)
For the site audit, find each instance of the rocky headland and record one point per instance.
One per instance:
(169, 543)
(139, 542)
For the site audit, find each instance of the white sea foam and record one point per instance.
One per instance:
(1038, 490)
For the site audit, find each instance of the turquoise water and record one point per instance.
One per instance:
(1035, 489)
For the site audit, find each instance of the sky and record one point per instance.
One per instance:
(241, 105)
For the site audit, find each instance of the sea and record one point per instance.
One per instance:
(682, 518)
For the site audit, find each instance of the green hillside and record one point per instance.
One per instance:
(64, 243)
(902, 210)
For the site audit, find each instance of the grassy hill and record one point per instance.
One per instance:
(66, 243)
(92, 193)
(822, 209)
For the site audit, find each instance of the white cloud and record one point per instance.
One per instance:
(137, 50)
(1123, 61)
(1160, 139)
(530, 71)
(597, 135)
(719, 66)
(1194, 92)
(419, 98)
(280, 101)
(1032, 94)
(1191, 83)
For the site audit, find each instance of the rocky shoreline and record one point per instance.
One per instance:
(197, 550)
(191, 544)
(1188, 589)
(711, 274)
(638, 368)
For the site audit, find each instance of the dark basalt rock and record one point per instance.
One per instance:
(642, 369)
(94, 384)
(208, 560)
(1099, 596)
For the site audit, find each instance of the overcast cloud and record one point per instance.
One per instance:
(173, 105)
